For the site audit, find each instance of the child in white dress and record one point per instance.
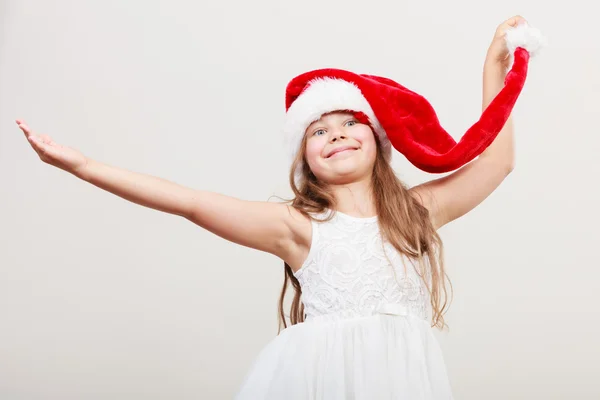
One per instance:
(359, 248)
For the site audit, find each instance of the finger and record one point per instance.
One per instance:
(516, 20)
(36, 144)
(26, 130)
(43, 149)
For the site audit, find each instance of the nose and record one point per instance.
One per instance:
(337, 135)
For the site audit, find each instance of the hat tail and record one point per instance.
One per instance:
(433, 150)
(447, 155)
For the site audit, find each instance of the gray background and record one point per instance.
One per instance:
(103, 299)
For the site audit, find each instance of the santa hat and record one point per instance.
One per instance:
(402, 118)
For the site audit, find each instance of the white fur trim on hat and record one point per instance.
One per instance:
(523, 35)
(324, 95)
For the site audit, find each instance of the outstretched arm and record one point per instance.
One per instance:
(265, 226)
(454, 195)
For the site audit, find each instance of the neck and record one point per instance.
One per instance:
(354, 198)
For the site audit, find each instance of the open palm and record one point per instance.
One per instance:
(52, 153)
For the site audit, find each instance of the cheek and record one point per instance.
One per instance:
(314, 148)
(367, 141)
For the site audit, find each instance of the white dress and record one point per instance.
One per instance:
(367, 331)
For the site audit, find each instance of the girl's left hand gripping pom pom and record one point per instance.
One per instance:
(525, 36)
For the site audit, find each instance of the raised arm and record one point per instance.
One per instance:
(454, 195)
(269, 227)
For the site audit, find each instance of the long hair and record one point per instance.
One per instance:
(402, 219)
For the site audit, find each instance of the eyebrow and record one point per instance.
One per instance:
(320, 121)
(315, 124)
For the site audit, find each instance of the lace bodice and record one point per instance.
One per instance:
(350, 272)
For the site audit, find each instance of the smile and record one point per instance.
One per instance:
(342, 151)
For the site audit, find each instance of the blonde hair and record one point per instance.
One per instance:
(402, 219)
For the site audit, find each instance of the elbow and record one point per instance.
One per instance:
(505, 166)
(510, 167)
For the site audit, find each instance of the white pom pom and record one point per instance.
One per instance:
(525, 36)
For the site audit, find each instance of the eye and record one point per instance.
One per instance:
(316, 133)
(351, 122)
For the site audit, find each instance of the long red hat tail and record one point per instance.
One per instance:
(432, 149)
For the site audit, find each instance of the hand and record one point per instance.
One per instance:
(52, 153)
(498, 54)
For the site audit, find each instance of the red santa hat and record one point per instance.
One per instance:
(403, 119)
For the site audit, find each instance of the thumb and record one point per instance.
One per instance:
(516, 20)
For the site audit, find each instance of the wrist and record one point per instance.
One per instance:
(493, 64)
(496, 65)
(82, 170)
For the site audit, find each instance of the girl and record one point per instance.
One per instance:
(360, 249)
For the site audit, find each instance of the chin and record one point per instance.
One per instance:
(344, 176)
(342, 171)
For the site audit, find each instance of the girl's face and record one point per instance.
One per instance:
(340, 149)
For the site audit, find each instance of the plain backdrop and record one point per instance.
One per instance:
(104, 299)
